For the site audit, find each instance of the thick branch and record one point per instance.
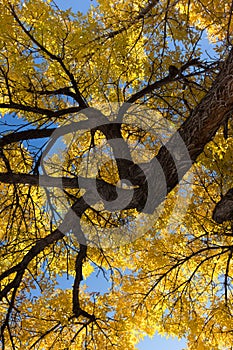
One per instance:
(21, 267)
(98, 189)
(78, 279)
(223, 211)
(106, 190)
(94, 118)
(70, 222)
(26, 135)
(199, 128)
(196, 132)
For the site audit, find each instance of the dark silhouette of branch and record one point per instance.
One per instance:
(223, 211)
(143, 12)
(78, 97)
(42, 111)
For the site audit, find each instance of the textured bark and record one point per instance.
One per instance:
(199, 128)
(175, 159)
(223, 211)
(212, 111)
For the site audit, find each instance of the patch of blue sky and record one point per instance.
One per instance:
(76, 5)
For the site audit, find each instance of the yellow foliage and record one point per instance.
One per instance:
(175, 276)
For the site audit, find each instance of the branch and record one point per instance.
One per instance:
(146, 9)
(227, 276)
(143, 12)
(94, 118)
(175, 74)
(43, 111)
(78, 278)
(198, 129)
(53, 57)
(149, 88)
(69, 223)
(21, 107)
(107, 190)
(21, 267)
(96, 188)
(223, 210)
(62, 91)
(26, 135)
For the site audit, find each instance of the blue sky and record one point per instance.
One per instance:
(157, 342)
(76, 5)
(99, 284)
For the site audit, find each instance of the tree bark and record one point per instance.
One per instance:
(199, 129)
(223, 211)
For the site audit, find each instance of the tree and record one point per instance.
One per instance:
(105, 118)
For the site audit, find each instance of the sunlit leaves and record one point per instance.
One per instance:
(176, 277)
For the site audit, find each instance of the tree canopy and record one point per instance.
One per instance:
(116, 162)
